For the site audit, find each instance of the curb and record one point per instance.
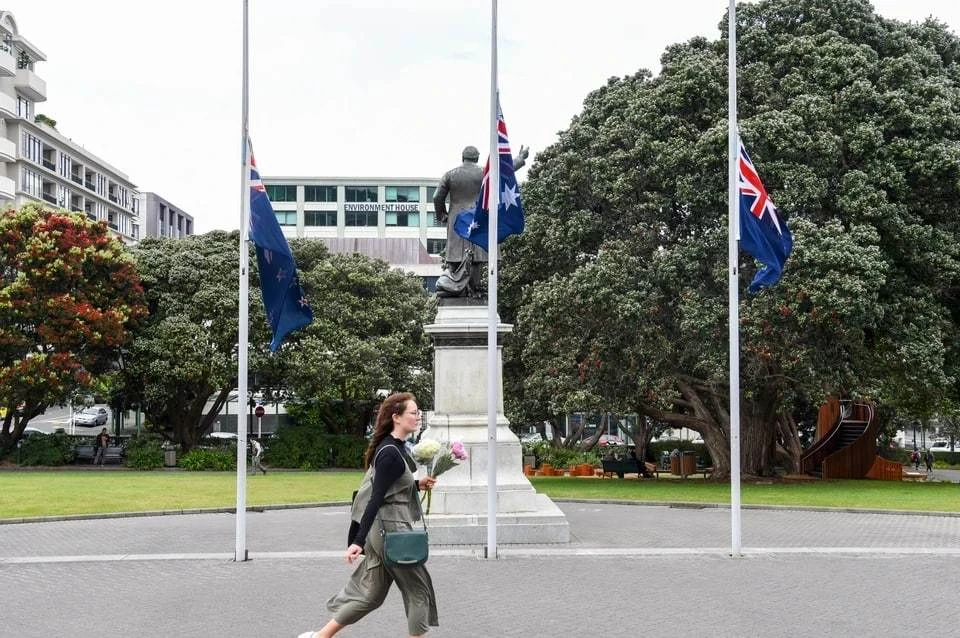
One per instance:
(290, 506)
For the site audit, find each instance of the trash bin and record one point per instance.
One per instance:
(170, 457)
(683, 465)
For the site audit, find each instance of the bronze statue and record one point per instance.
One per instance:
(464, 260)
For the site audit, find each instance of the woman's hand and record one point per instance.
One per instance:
(353, 552)
(426, 483)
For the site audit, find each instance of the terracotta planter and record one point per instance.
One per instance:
(586, 469)
(574, 470)
(527, 470)
(547, 469)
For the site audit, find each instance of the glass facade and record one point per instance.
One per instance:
(402, 219)
(319, 218)
(282, 192)
(360, 194)
(401, 194)
(284, 217)
(361, 218)
(436, 246)
(431, 191)
(319, 193)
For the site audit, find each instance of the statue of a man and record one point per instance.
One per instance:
(464, 260)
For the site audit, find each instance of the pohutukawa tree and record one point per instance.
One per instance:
(618, 288)
(69, 297)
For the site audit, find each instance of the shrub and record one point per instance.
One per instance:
(46, 449)
(218, 460)
(306, 447)
(143, 452)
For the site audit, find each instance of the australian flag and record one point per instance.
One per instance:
(763, 233)
(283, 298)
(474, 224)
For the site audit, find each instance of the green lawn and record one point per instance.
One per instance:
(943, 497)
(40, 493)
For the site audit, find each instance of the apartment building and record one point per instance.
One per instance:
(38, 163)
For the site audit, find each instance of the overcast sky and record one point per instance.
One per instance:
(338, 87)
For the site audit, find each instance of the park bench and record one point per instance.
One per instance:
(627, 466)
(914, 476)
(85, 453)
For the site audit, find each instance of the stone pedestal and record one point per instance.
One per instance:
(459, 503)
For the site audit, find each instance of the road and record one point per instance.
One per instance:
(59, 418)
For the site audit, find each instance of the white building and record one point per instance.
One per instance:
(160, 218)
(37, 163)
(389, 218)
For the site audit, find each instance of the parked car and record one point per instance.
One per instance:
(943, 447)
(90, 417)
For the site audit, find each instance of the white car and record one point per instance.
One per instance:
(90, 417)
(943, 447)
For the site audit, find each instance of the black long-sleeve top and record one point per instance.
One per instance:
(388, 468)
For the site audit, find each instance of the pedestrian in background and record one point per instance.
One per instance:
(928, 459)
(100, 447)
(388, 500)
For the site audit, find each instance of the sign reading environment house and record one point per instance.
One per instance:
(367, 207)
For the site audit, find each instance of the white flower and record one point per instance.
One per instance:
(425, 450)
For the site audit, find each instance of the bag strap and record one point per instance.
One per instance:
(416, 492)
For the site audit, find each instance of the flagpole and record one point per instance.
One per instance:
(733, 283)
(240, 552)
(493, 381)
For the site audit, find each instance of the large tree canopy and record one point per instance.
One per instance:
(186, 351)
(618, 286)
(367, 335)
(69, 296)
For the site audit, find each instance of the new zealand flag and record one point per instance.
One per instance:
(763, 233)
(474, 225)
(283, 298)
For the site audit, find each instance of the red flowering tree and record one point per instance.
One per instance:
(69, 296)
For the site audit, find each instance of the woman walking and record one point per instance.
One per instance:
(387, 500)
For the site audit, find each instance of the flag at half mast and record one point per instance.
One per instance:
(763, 233)
(283, 299)
(473, 225)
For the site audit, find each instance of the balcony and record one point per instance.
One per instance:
(90, 185)
(113, 198)
(77, 179)
(50, 198)
(49, 165)
(8, 150)
(8, 188)
(8, 64)
(8, 106)
(29, 84)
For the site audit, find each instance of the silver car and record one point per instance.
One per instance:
(90, 417)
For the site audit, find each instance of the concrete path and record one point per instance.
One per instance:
(628, 571)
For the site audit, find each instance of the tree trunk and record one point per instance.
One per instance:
(758, 438)
(789, 450)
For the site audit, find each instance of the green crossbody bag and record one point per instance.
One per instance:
(407, 547)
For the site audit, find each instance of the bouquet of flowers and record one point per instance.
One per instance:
(438, 457)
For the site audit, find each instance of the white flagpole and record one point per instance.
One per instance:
(493, 381)
(734, 281)
(240, 553)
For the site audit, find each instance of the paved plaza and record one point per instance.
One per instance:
(629, 570)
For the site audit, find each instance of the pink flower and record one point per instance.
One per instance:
(457, 450)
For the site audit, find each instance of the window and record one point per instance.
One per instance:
(30, 182)
(24, 108)
(319, 193)
(32, 147)
(433, 221)
(431, 191)
(403, 219)
(360, 194)
(320, 218)
(402, 193)
(282, 192)
(361, 218)
(436, 246)
(285, 217)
